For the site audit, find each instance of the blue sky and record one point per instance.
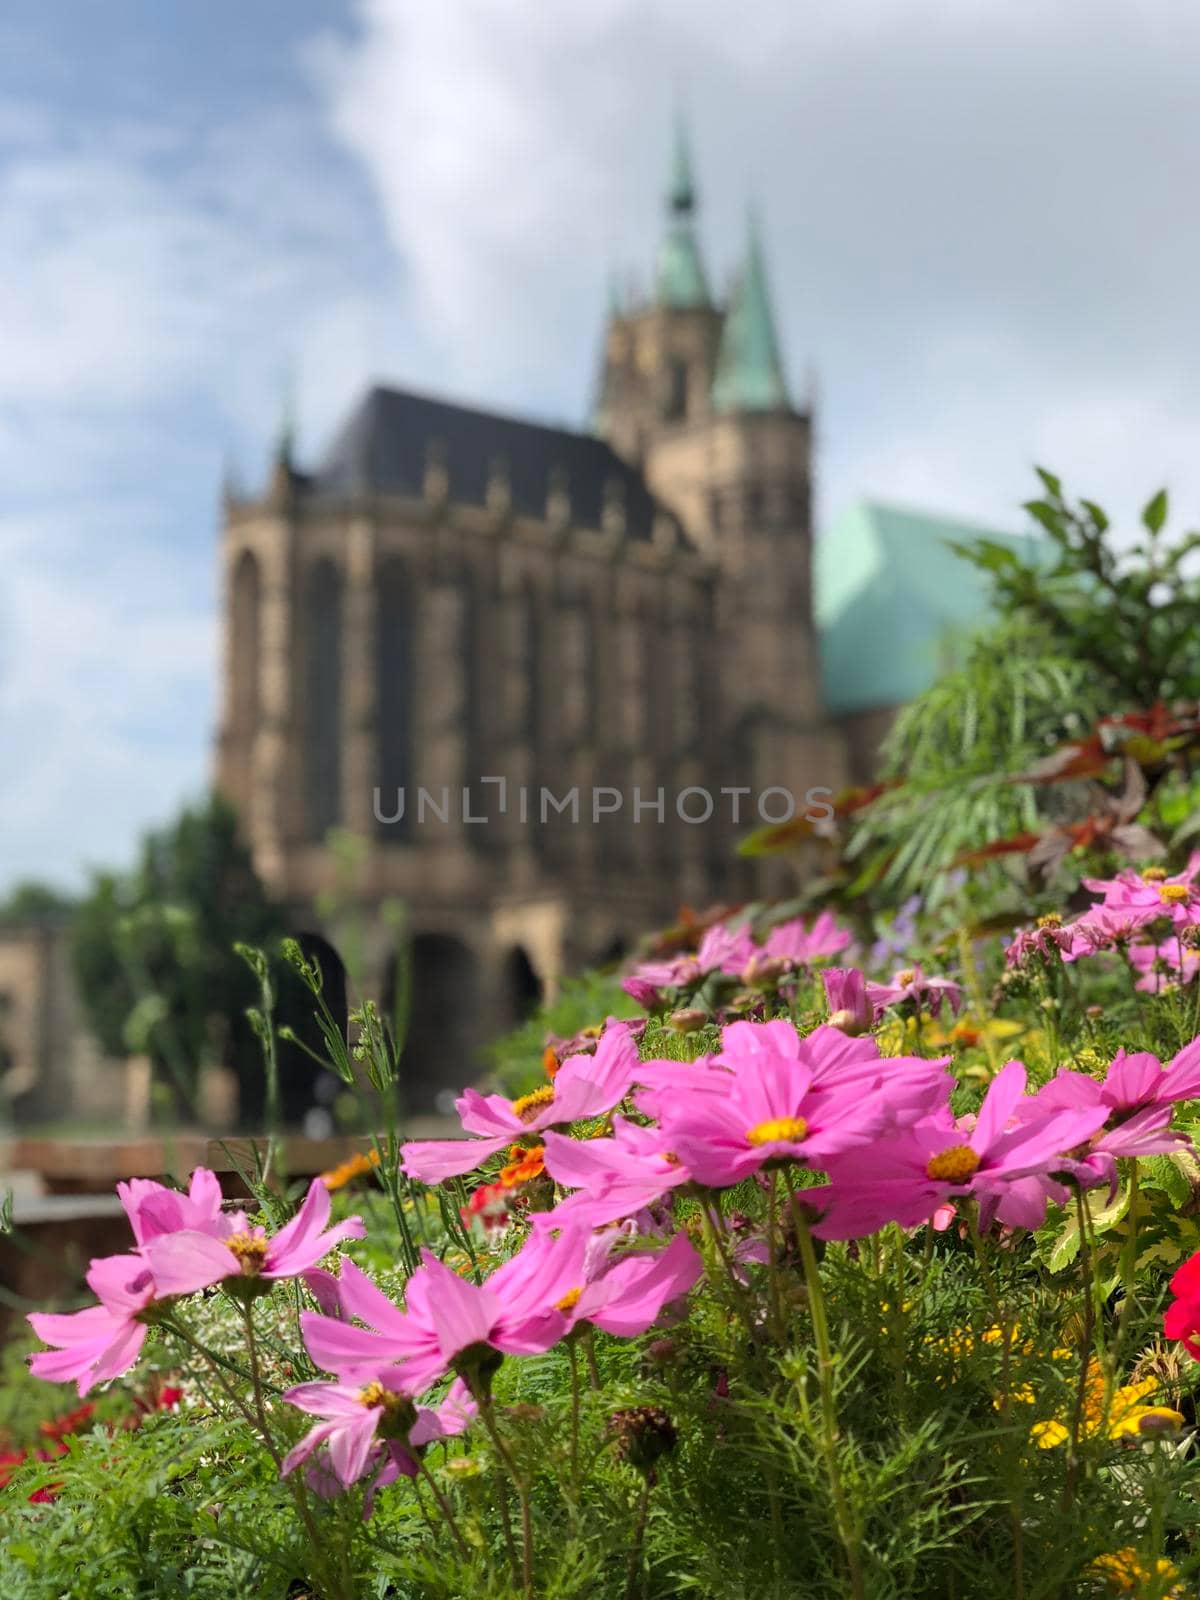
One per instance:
(980, 222)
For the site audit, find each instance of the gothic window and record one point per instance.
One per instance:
(244, 668)
(576, 666)
(532, 644)
(472, 654)
(394, 696)
(675, 386)
(323, 698)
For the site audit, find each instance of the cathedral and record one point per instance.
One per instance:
(546, 678)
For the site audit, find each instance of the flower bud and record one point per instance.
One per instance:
(643, 1434)
(687, 1021)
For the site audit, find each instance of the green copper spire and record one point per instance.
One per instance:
(749, 368)
(680, 277)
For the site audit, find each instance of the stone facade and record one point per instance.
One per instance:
(51, 1068)
(451, 597)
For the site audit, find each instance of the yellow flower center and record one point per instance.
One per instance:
(569, 1301)
(1050, 920)
(374, 1394)
(905, 978)
(1153, 874)
(1173, 894)
(953, 1165)
(250, 1251)
(528, 1105)
(788, 1130)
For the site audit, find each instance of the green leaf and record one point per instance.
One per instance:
(1053, 484)
(1042, 511)
(1164, 1172)
(1155, 513)
(1098, 515)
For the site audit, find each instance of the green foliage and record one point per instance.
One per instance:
(957, 747)
(1124, 609)
(34, 902)
(155, 959)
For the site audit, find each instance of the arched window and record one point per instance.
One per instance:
(395, 699)
(473, 654)
(244, 653)
(533, 651)
(323, 698)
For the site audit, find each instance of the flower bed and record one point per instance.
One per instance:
(797, 1284)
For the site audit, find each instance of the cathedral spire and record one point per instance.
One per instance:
(749, 373)
(680, 279)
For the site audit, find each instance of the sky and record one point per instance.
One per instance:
(979, 216)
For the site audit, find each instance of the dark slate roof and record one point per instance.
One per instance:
(384, 445)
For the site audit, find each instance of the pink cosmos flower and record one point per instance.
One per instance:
(912, 984)
(802, 945)
(102, 1341)
(373, 1426)
(1132, 1083)
(556, 1280)
(1145, 896)
(584, 1086)
(846, 993)
(1050, 937)
(1099, 929)
(907, 1177)
(722, 949)
(153, 1209)
(188, 1260)
(787, 1098)
(1159, 964)
(644, 992)
(615, 1177)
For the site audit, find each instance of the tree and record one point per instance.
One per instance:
(1073, 707)
(33, 902)
(155, 960)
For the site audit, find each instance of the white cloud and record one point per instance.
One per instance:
(153, 306)
(979, 215)
(980, 226)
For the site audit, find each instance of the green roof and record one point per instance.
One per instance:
(894, 604)
(749, 375)
(679, 279)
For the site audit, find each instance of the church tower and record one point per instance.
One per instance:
(659, 358)
(696, 393)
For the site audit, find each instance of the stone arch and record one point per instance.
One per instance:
(440, 1051)
(395, 691)
(521, 987)
(323, 697)
(244, 604)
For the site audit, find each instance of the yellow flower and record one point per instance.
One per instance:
(357, 1166)
(1128, 1416)
(969, 1031)
(1126, 1572)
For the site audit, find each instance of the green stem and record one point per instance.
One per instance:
(847, 1531)
(487, 1413)
(443, 1506)
(1085, 1356)
(573, 1359)
(639, 1534)
(1007, 1329)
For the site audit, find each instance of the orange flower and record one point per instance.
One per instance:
(357, 1166)
(523, 1166)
